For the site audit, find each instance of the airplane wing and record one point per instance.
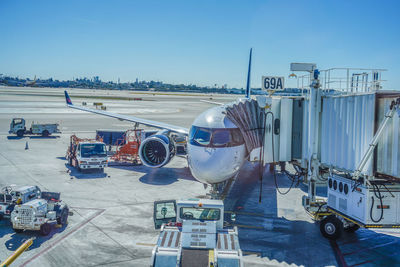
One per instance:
(150, 123)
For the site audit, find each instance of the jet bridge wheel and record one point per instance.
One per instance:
(331, 227)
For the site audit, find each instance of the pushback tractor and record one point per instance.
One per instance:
(40, 214)
(193, 234)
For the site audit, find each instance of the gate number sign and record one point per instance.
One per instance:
(273, 83)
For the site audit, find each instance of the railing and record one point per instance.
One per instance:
(345, 80)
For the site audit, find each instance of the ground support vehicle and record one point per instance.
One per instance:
(85, 154)
(193, 234)
(10, 196)
(17, 126)
(40, 214)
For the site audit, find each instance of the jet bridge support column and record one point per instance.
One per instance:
(313, 140)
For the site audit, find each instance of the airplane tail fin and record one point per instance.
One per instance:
(248, 89)
(67, 98)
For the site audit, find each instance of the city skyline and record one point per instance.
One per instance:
(205, 43)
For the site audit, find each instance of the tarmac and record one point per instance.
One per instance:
(113, 224)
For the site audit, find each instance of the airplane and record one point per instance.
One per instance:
(31, 83)
(215, 150)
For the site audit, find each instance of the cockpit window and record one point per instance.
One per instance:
(221, 138)
(202, 136)
(226, 137)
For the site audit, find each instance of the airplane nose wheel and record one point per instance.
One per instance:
(214, 192)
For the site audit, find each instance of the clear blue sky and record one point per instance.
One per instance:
(201, 42)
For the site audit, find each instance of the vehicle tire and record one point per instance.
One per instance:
(45, 133)
(20, 133)
(352, 229)
(63, 217)
(18, 231)
(45, 229)
(331, 227)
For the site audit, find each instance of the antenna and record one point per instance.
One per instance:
(248, 76)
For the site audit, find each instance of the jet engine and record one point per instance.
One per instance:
(156, 150)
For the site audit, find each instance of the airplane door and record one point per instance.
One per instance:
(164, 212)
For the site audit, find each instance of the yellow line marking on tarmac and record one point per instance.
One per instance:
(146, 244)
(210, 258)
(248, 226)
(251, 253)
(246, 213)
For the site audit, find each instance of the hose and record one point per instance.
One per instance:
(273, 157)
(261, 166)
(379, 196)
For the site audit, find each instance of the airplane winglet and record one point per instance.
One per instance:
(248, 89)
(67, 98)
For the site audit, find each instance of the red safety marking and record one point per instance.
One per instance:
(338, 254)
(361, 263)
(79, 226)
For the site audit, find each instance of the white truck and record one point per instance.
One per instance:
(11, 195)
(193, 234)
(40, 214)
(85, 154)
(17, 126)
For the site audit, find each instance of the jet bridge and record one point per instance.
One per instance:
(342, 132)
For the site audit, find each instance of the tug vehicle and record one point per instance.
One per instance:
(86, 154)
(10, 196)
(193, 234)
(17, 126)
(40, 214)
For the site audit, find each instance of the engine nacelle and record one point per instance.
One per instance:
(156, 151)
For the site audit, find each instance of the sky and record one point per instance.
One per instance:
(196, 42)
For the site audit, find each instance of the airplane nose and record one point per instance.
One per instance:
(213, 165)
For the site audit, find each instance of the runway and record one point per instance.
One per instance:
(112, 223)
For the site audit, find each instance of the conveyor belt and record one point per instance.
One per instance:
(195, 257)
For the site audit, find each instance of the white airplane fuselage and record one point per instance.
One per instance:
(216, 149)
